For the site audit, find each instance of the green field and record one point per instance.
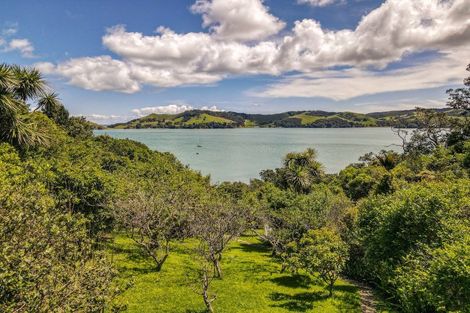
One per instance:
(252, 283)
(206, 118)
(306, 119)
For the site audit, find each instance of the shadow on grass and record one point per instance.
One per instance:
(136, 257)
(253, 247)
(294, 281)
(300, 302)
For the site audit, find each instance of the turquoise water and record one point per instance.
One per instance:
(240, 154)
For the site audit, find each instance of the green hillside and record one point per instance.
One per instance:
(293, 119)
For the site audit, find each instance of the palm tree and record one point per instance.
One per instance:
(31, 84)
(302, 170)
(17, 85)
(51, 105)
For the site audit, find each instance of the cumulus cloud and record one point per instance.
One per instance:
(318, 3)
(95, 73)
(172, 109)
(213, 108)
(349, 83)
(241, 20)
(167, 59)
(165, 109)
(102, 118)
(24, 46)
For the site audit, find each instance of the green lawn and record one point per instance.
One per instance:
(251, 283)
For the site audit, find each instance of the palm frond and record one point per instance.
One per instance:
(31, 84)
(8, 79)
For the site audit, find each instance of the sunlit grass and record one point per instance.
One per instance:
(252, 283)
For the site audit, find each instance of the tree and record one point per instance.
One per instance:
(459, 99)
(302, 170)
(48, 262)
(431, 133)
(153, 219)
(387, 159)
(322, 251)
(79, 127)
(299, 172)
(17, 86)
(51, 106)
(30, 83)
(216, 221)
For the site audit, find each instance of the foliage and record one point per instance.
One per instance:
(322, 251)
(299, 172)
(17, 87)
(436, 279)
(401, 232)
(293, 119)
(47, 260)
(153, 219)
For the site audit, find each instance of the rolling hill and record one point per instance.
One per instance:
(293, 119)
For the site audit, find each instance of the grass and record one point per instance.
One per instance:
(252, 283)
(306, 119)
(206, 118)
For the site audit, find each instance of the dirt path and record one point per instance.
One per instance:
(368, 302)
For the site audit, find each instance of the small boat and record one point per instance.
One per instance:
(199, 146)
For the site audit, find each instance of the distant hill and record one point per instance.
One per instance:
(293, 119)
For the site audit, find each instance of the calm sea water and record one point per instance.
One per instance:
(240, 154)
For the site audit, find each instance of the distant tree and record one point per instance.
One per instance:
(432, 132)
(322, 251)
(459, 99)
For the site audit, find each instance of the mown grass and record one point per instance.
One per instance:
(252, 283)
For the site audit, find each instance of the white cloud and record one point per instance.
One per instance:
(10, 30)
(99, 118)
(240, 20)
(172, 109)
(97, 73)
(24, 46)
(350, 83)
(167, 59)
(213, 108)
(318, 3)
(165, 109)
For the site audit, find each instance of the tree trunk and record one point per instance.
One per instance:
(208, 303)
(205, 295)
(160, 262)
(217, 268)
(330, 288)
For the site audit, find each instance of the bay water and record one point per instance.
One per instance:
(240, 154)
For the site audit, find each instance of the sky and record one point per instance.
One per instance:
(114, 60)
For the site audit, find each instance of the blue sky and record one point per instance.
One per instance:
(109, 62)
